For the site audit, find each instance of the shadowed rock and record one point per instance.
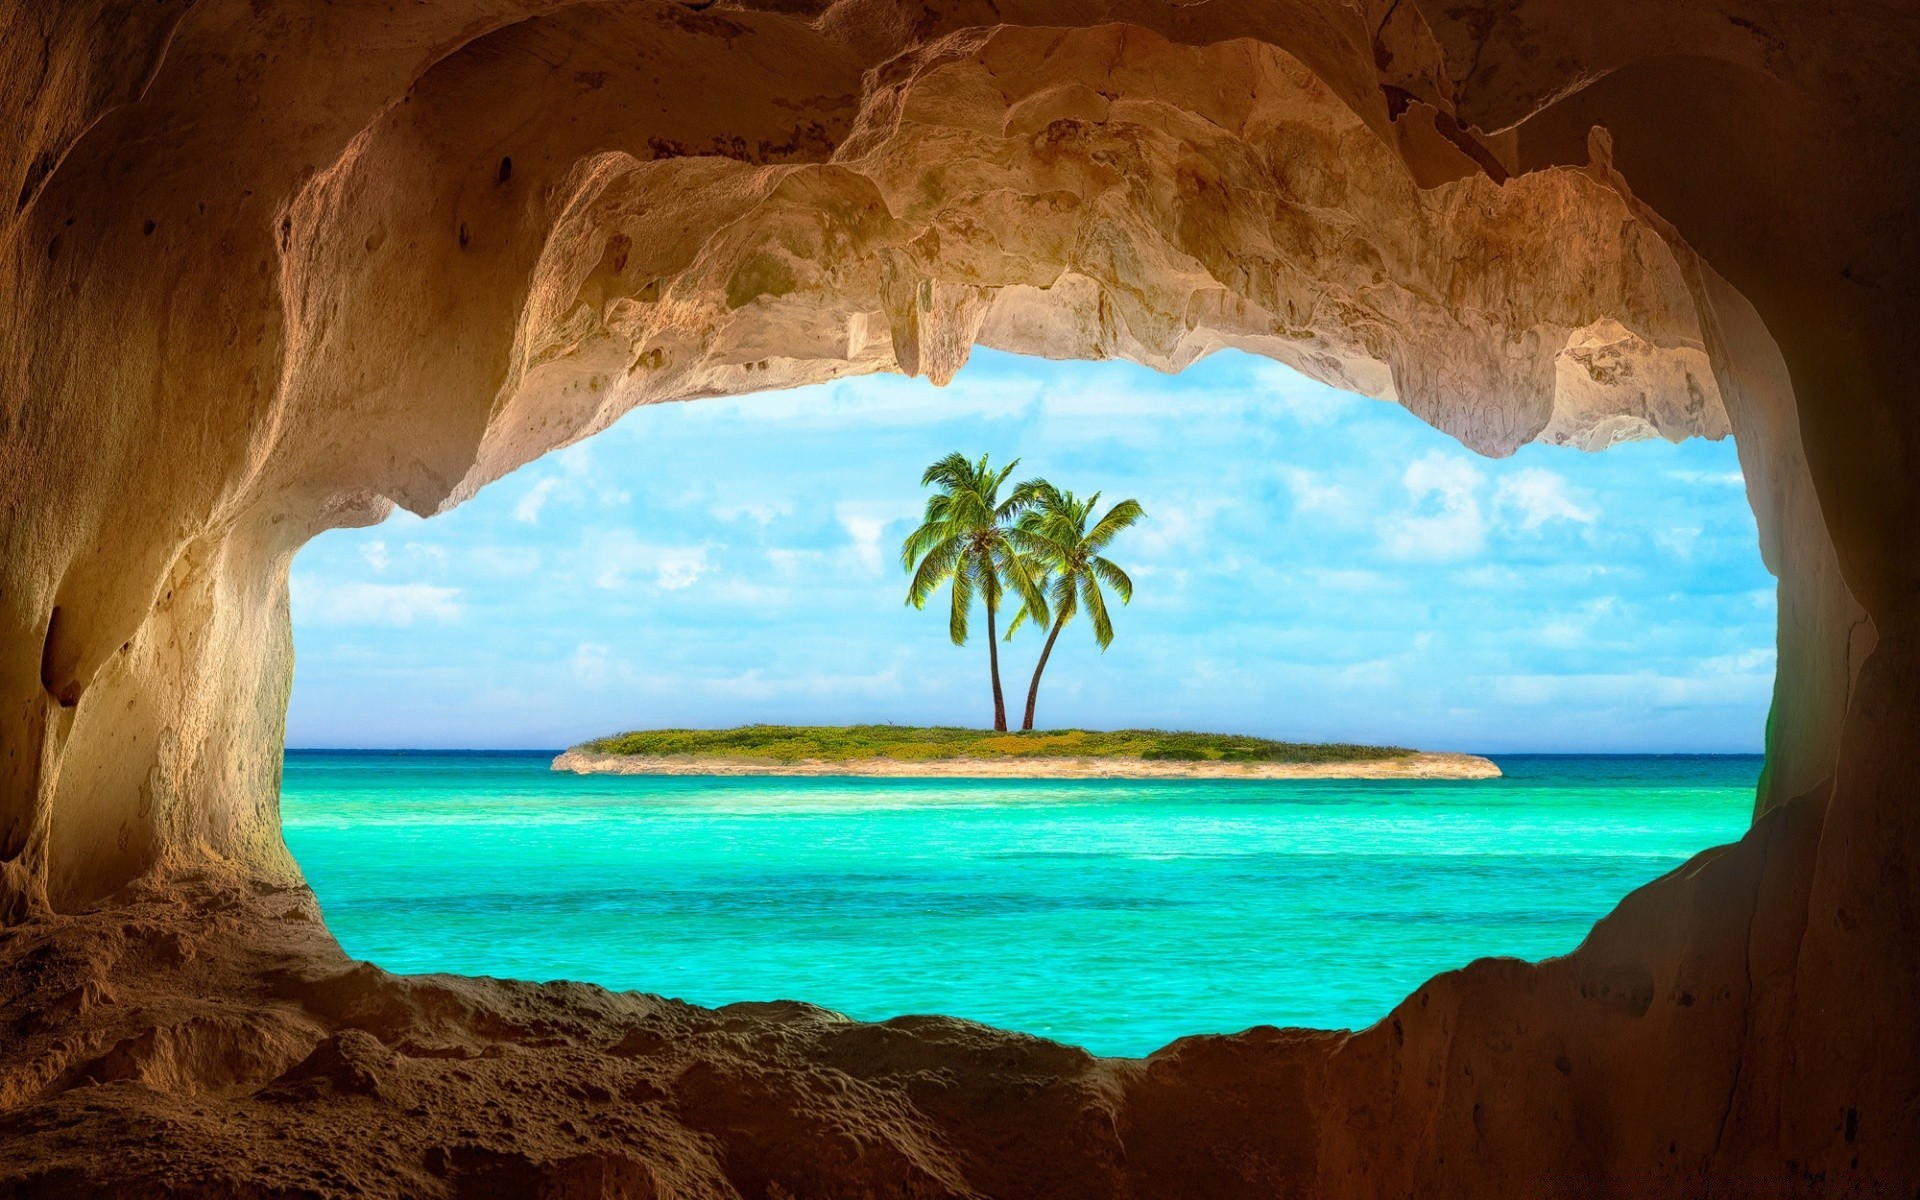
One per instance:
(272, 269)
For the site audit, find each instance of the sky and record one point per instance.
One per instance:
(1314, 566)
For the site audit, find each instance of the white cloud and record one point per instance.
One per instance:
(1570, 630)
(423, 553)
(1679, 540)
(1710, 478)
(1373, 673)
(1443, 520)
(619, 556)
(1490, 575)
(1311, 495)
(578, 479)
(376, 555)
(790, 561)
(1563, 632)
(767, 599)
(1307, 401)
(591, 662)
(402, 604)
(865, 524)
(528, 509)
(1336, 579)
(1744, 663)
(1705, 687)
(1174, 526)
(760, 512)
(505, 560)
(1534, 497)
(757, 684)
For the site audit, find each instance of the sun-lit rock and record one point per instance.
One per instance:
(272, 269)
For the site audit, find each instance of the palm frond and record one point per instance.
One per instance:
(1120, 516)
(934, 568)
(921, 540)
(1019, 619)
(1028, 496)
(962, 605)
(1065, 597)
(1031, 543)
(951, 472)
(990, 484)
(1113, 577)
(1097, 611)
(1024, 576)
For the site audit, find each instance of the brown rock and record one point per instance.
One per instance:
(270, 269)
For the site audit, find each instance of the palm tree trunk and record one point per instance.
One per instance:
(993, 660)
(1033, 689)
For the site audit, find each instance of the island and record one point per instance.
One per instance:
(956, 753)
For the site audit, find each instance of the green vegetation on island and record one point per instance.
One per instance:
(906, 743)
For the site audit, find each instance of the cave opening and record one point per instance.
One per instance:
(273, 273)
(1315, 566)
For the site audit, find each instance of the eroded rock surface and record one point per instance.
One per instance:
(274, 268)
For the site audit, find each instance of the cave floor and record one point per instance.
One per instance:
(209, 1038)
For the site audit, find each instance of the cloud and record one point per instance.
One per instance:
(1679, 540)
(577, 480)
(1443, 519)
(528, 509)
(505, 560)
(865, 527)
(618, 556)
(1335, 579)
(591, 662)
(760, 512)
(1490, 575)
(1571, 630)
(421, 553)
(1706, 686)
(576, 460)
(1747, 662)
(1709, 478)
(756, 683)
(376, 555)
(1175, 525)
(402, 604)
(1306, 401)
(1534, 497)
(791, 561)
(1311, 495)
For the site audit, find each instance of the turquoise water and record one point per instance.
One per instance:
(1115, 915)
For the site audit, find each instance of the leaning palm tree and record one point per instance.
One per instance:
(970, 538)
(1055, 533)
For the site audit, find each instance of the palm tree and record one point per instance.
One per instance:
(969, 537)
(1056, 535)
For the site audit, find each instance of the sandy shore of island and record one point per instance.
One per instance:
(1413, 766)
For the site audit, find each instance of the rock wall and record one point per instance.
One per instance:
(273, 268)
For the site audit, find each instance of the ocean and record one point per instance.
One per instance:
(1115, 915)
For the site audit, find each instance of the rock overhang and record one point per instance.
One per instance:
(271, 273)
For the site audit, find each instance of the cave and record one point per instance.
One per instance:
(276, 268)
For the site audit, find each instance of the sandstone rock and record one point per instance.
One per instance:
(273, 269)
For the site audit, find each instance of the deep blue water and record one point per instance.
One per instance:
(1116, 915)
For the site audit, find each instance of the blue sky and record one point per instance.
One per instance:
(1314, 565)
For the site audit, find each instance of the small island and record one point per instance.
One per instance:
(955, 753)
